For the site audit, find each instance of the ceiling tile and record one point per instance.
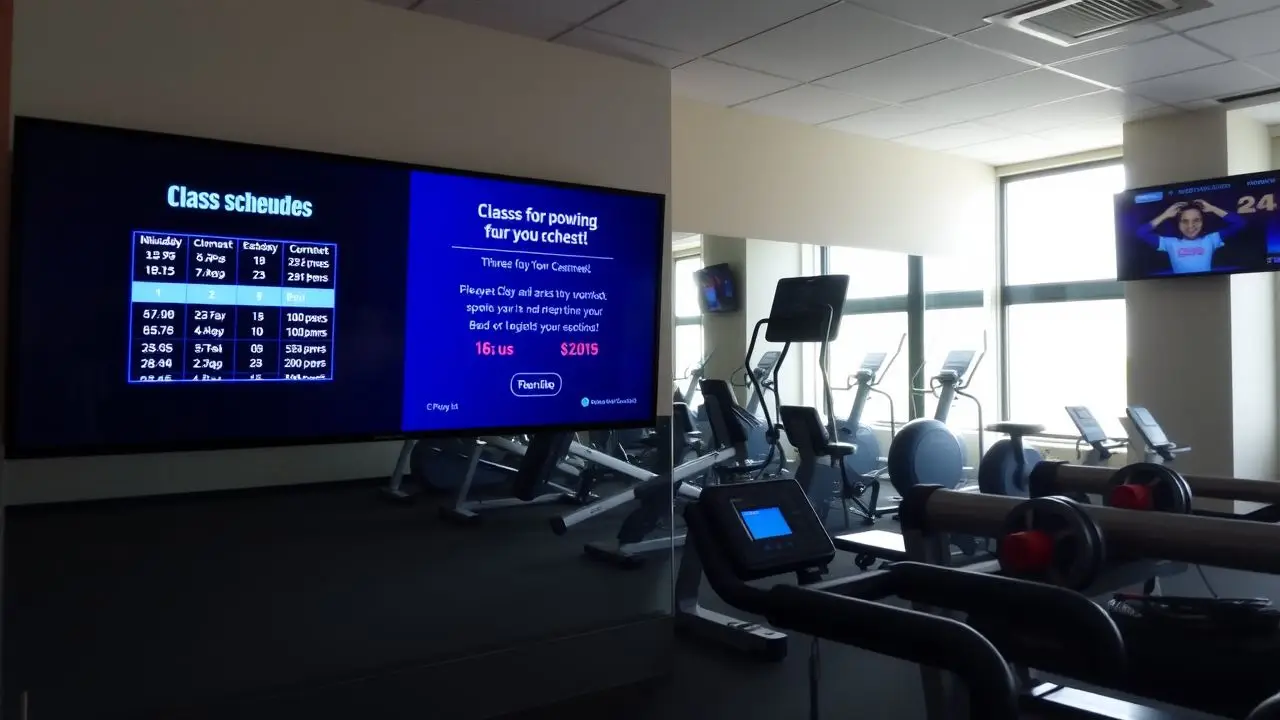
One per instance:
(1221, 10)
(1268, 63)
(1086, 136)
(934, 68)
(510, 16)
(713, 82)
(888, 123)
(1004, 95)
(1030, 47)
(1240, 38)
(1153, 58)
(810, 104)
(624, 48)
(950, 16)
(1019, 148)
(1212, 82)
(826, 42)
(954, 136)
(698, 27)
(1086, 108)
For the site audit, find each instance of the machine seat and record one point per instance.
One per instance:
(839, 450)
(1015, 428)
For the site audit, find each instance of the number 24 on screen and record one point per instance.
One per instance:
(1249, 204)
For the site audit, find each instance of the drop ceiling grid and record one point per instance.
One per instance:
(933, 67)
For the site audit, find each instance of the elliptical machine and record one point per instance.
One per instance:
(760, 381)
(866, 459)
(926, 451)
(691, 378)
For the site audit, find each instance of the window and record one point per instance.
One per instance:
(688, 354)
(1050, 369)
(970, 271)
(686, 343)
(961, 329)
(859, 335)
(686, 290)
(1060, 227)
(1059, 285)
(872, 273)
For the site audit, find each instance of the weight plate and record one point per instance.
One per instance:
(1170, 492)
(1097, 546)
(1077, 544)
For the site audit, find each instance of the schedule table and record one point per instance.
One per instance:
(212, 308)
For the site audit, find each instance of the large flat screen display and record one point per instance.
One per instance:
(176, 293)
(1208, 227)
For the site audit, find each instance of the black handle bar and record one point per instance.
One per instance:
(908, 635)
(1092, 646)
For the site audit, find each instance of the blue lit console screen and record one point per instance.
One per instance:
(232, 309)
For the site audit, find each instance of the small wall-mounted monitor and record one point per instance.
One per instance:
(1207, 227)
(717, 289)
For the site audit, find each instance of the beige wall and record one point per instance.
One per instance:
(340, 76)
(742, 175)
(1202, 351)
(1253, 326)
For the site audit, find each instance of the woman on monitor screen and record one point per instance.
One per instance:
(1192, 250)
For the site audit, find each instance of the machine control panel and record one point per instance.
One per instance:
(873, 363)
(767, 362)
(768, 528)
(1147, 425)
(1090, 429)
(959, 363)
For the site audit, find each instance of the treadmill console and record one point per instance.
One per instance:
(767, 528)
(1090, 430)
(959, 362)
(1147, 426)
(873, 363)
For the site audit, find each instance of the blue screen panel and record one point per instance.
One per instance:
(765, 523)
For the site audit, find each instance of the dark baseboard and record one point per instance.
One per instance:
(481, 687)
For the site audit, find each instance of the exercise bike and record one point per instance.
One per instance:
(1101, 446)
(1156, 446)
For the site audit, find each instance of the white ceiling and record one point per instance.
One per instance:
(926, 73)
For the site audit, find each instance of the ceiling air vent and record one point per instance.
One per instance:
(1069, 22)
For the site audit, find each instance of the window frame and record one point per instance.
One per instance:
(917, 301)
(1009, 295)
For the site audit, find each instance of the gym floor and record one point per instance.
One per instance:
(166, 603)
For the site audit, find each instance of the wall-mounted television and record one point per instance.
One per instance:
(173, 293)
(1208, 227)
(717, 289)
